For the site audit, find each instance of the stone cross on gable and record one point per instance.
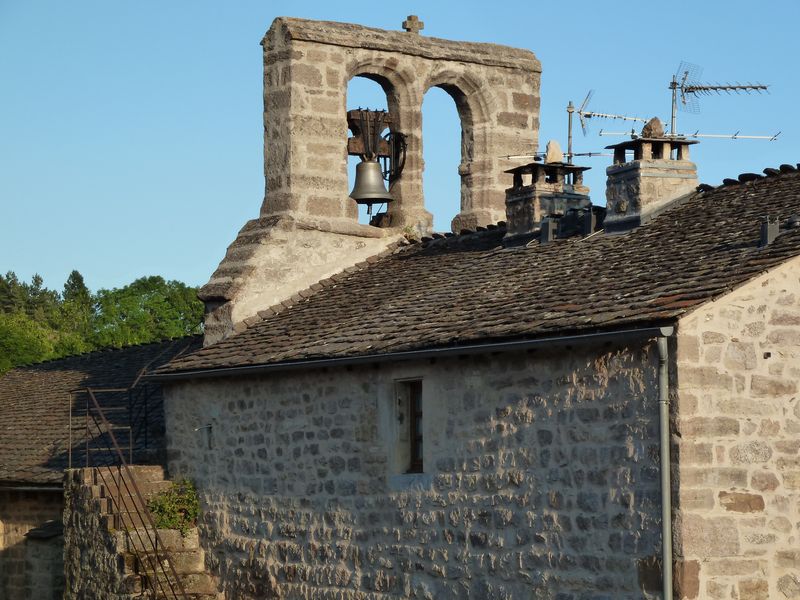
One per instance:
(412, 24)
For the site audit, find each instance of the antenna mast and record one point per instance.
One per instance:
(685, 83)
(583, 115)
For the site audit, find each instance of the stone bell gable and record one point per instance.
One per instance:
(308, 228)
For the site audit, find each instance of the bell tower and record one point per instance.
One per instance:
(308, 225)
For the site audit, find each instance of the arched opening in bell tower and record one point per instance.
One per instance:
(444, 148)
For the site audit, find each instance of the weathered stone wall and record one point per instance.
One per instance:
(30, 568)
(307, 65)
(541, 479)
(639, 187)
(528, 205)
(92, 565)
(274, 258)
(738, 527)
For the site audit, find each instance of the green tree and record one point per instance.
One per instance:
(11, 293)
(75, 290)
(41, 303)
(37, 323)
(146, 310)
(23, 340)
(77, 311)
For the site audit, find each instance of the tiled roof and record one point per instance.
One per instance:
(34, 403)
(469, 289)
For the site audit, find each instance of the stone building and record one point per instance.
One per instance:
(35, 407)
(548, 407)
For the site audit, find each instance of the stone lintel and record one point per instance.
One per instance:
(358, 36)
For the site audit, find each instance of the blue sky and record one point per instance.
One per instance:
(130, 132)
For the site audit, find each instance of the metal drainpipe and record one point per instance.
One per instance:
(666, 466)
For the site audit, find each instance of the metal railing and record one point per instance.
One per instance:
(114, 473)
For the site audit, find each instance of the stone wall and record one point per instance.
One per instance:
(30, 568)
(738, 527)
(540, 479)
(93, 568)
(274, 258)
(640, 187)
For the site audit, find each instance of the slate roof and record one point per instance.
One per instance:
(34, 404)
(469, 289)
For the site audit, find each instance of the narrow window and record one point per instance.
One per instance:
(409, 420)
(416, 427)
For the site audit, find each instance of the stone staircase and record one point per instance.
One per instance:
(140, 560)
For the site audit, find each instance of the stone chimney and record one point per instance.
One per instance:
(648, 173)
(541, 190)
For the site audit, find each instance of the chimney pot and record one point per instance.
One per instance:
(549, 230)
(769, 230)
(555, 187)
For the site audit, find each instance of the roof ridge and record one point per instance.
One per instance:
(108, 349)
(304, 294)
(783, 170)
(448, 238)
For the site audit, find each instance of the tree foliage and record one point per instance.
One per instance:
(37, 323)
(149, 308)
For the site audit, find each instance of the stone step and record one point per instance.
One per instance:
(193, 583)
(184, 561)
(126, 520)
(133, 520)
(133, 583)
(141, 473)
(127, 492)
(171, 539)
(137, 589)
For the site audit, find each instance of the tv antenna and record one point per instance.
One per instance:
(539, 156)
(583, 116)
(686, 86)
(725, 136)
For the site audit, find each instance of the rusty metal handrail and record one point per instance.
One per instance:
(120, 503)
(149, 519)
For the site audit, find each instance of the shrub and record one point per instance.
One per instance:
(176, 508)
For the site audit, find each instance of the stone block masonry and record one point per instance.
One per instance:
(738, 525)
(273, 259)
(540, 479)
(30, 568)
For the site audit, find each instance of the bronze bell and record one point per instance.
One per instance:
(369, 187)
